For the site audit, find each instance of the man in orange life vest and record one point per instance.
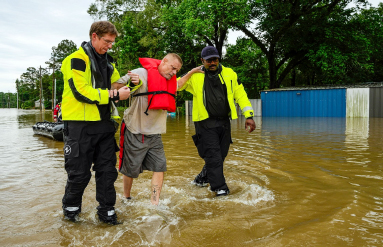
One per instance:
(141, 145)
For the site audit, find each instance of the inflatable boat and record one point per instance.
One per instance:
(50, 129)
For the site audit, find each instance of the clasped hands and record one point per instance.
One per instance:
(124, 92)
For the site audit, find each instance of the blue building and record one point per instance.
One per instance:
(354, 101)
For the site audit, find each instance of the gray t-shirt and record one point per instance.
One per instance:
(135, 119)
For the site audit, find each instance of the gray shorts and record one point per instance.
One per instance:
(142, 153)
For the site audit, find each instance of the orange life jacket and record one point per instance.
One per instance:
(161, 92)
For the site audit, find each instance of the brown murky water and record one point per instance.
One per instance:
(293, 182)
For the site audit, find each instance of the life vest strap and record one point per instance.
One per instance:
(154, 93)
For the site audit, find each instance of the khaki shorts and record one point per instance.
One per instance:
(142, 152)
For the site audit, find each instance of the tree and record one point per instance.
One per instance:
(285, 31)
(144, 33)
(8, 100)
(372, 24)
(28, 87)
(250, 64)
(197, 22)
(59, 53)
(343, 55)
(147, 31)
(300, 42)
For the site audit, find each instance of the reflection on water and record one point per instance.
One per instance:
(293, 182)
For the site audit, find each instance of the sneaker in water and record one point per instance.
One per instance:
(222, 192)
(110, 219)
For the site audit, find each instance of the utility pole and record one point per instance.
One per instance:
(41, 88)
(17, 94)
(54, 87)
(55, 93)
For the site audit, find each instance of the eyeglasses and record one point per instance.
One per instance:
(107, 41)
(210, 60)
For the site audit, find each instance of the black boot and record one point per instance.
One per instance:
(201, 179)
(71, 213)
(108, 217)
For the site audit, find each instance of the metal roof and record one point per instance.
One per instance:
(360, 85)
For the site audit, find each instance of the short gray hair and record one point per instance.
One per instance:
(174, 56)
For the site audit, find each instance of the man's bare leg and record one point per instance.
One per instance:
(157, 180)
(128, 182)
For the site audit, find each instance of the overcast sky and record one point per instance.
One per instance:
(30, 28)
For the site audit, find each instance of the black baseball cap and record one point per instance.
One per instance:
(209, 52)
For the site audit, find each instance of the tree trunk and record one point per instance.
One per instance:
(272, 70)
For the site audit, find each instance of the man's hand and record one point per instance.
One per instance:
(124, 93)
(134, 78)
(198, 70)
(250, 125)
(186, 77)
(113, 94)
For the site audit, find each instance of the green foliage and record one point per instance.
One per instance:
(200, 23)
(29, 104)
(29, 87)
(343, 56)
(8, 100)
(283, 43)
(62, 50)
(40, 81)
(287, 43)
(248, 61)
(372, 22)
(178, 40)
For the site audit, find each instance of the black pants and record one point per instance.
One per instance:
(87, 143)
(213, 138)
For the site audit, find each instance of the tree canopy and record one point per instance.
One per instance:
(29, 86)
(282, 43)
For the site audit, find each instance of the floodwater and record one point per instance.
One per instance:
(293, 182)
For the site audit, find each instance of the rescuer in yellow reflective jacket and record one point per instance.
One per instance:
(215, 88)
(88, 128)
(81, 99)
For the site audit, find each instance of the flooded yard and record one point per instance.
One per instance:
(293, 182)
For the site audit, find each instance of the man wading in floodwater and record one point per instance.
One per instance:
(88, 128)
(141, 145)
(214, 88)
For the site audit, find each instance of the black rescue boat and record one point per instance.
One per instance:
(50, 129)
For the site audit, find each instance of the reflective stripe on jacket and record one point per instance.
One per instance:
(235, 92)
(80, 98)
